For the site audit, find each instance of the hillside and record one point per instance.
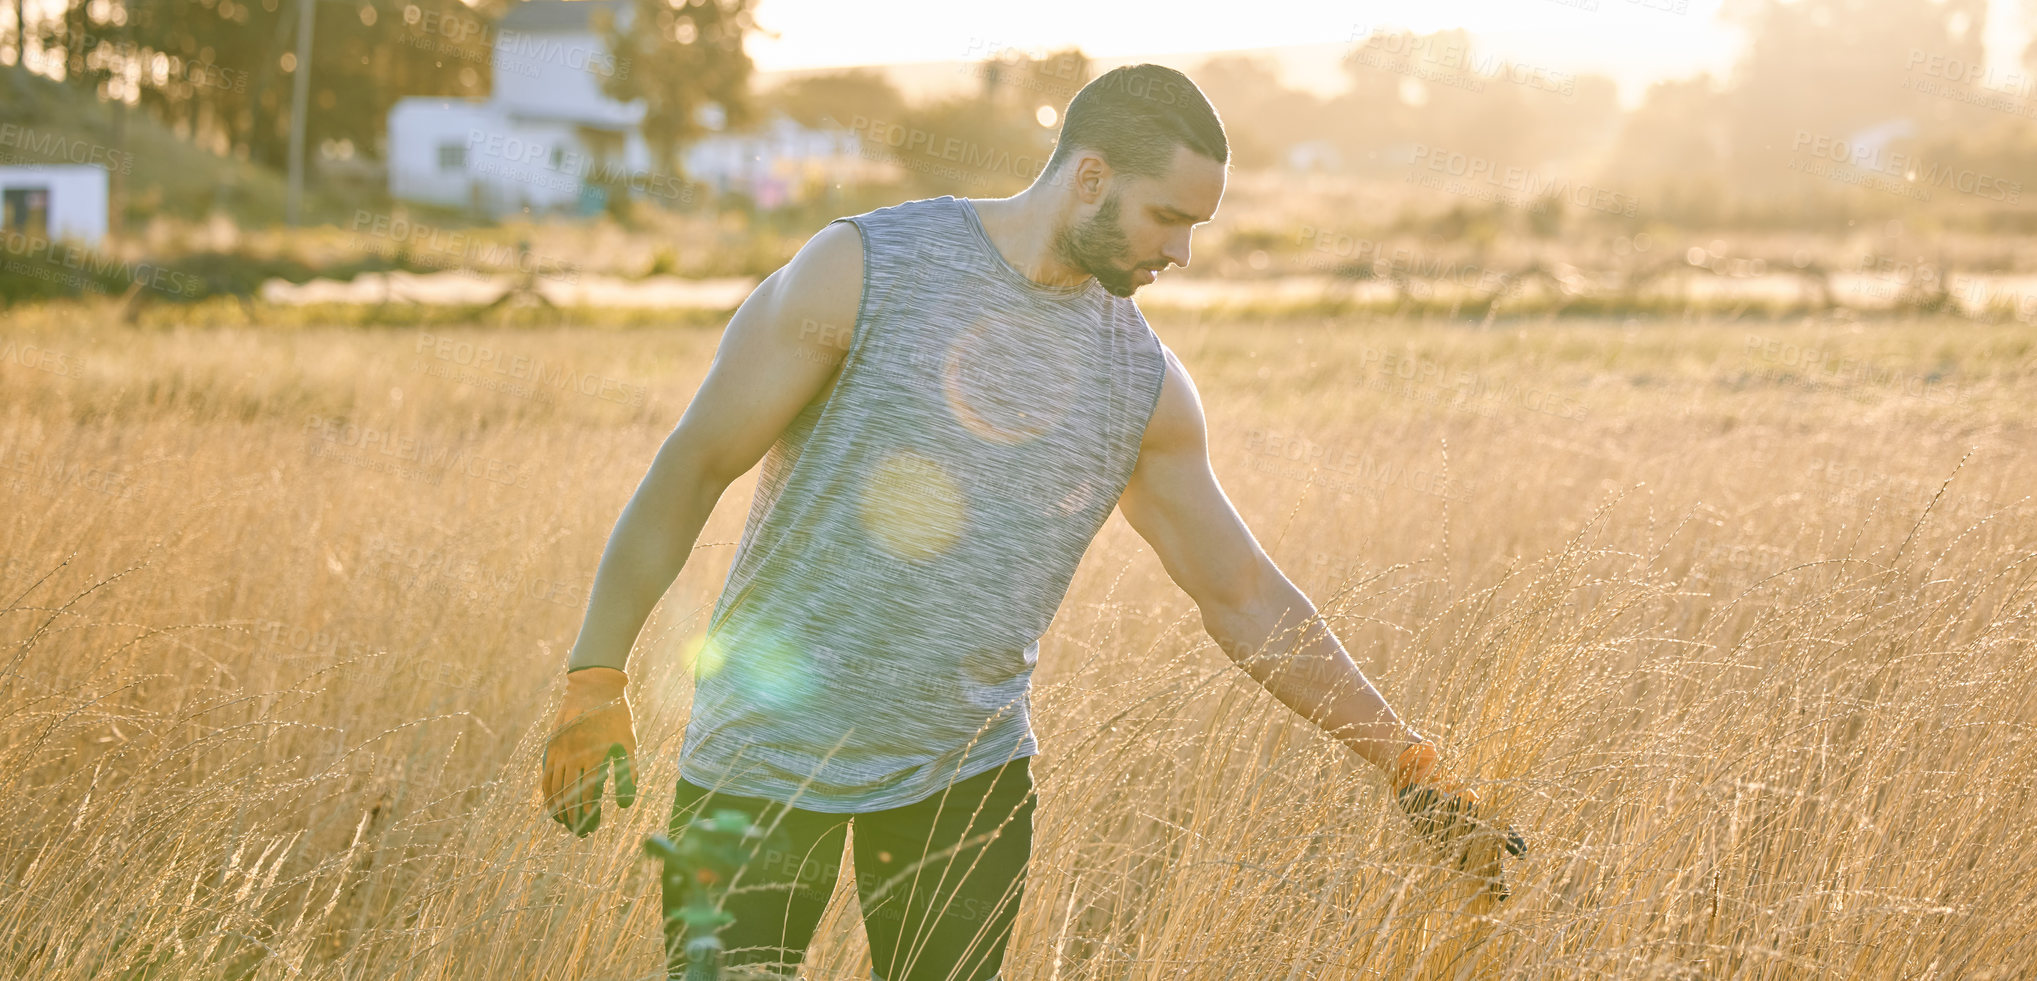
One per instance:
(44, 121)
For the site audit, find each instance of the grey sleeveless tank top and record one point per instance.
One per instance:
(912, 535)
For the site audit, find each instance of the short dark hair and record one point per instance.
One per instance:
(1136, 116)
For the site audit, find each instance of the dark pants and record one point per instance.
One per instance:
(933, 911)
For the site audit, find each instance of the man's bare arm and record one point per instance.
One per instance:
(1258, 618)
(777, 355)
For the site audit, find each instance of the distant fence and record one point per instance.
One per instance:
(1665, 286)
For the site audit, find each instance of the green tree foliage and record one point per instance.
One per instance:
(1014, 79)
(1440, 90)
(684, 56)
(1865, 88)
(993, 138)
(1262, 117)
(218, 70)
(986, 139)
(1833, 68)
(837, 99)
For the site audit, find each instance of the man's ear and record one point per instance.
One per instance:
(1090, 176)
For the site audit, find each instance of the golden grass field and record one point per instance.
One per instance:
(1695, 601)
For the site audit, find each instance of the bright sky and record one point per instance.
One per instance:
(1634, 42)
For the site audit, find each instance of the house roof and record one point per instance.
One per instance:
(534, 16)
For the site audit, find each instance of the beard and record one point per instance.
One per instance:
(1098, 246)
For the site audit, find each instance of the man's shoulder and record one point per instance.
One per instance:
(1141, 333)
(1177, 419)
(917, 207)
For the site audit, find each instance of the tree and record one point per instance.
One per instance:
(2030, 50)
(682, 59)
(838, 98)
(1438, 90)
(1828, 69)
(1262, 117)
(1678, 129)
(215, 72)
(1014, 79)
(995, 140)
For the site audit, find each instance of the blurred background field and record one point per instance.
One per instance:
(1788, 157)
(1738, 628)
(1645, 390)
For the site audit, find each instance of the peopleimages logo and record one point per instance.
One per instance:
(1167, 92)
(541, 374)
(968, 153)
(1058, 75)
(45, 259)
(1346, 469)
(166, 69)
(458, 29)
(1870, 157)
(1470, 174)
(60, 473)
(1336, 249)
(405, 454)
(433, 245)
(62, 363)
(1818, 366)
(54, 148)
(1448, 61)
(572, 165)
(1973, 73)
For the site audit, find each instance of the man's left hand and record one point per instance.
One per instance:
(1453, 817)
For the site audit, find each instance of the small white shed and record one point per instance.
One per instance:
(57, 201)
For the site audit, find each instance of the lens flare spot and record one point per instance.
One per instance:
(775, 672)
(765, 666)
(911, 507)
(1007, 384)
(704, 654)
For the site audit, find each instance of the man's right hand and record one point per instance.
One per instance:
(594, 729)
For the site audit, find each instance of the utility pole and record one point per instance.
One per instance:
(116, 205)
(300, 98)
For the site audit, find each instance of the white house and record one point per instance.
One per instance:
(547, 139)
(782, 161)
(56, 201)
(544, 134)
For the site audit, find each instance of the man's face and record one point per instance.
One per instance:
(1141, 226)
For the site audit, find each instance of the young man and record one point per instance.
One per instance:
(953, 395)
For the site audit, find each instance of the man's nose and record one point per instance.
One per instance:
(1177, 252)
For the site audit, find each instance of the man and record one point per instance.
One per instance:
(953, 395)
